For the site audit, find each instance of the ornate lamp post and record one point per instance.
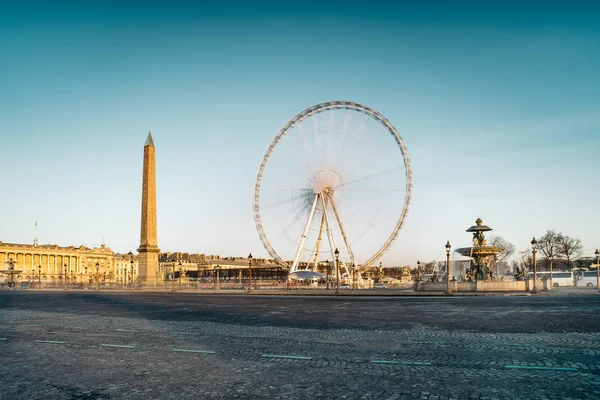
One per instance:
(534, 251)
(354, 272)
(131, 264)
(337, 271)
(327, 273)
(179, 277)
(216, 277)
(97, 280)
(66, 283)
(418, 271)
(64, 269)
(597, 253)
(32, 277)
(39, 276)
(86, 275)
(250, 273)
(448, 247)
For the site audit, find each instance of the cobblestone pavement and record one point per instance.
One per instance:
(78, 345)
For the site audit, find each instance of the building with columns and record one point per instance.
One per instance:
(54, 263)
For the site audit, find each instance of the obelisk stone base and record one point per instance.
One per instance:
(148, 266)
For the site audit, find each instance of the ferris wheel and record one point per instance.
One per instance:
(336, 176)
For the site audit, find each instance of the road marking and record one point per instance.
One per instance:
(400, 362)
(195, 351)
(2, 338)
(117, 345)
(51, 341)
(127, 330)
(536, 367)
(283, 356)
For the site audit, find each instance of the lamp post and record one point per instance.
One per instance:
(64, 276)
(337, 271)
(97, 268)
(216, 277)
(328, 265)
(179, 277)
(32, 277)
(448, 247)
(131, 273)
(380, 277)
(66, 283)
(354, 271)
(418, 271)
(534, 251)
(597, 253)
(551, 259)
(250, 273)
(39, 277)
(86, 275)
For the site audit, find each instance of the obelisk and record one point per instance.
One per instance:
(148, 250)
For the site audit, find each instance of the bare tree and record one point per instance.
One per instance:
(569, 248)
(509, 250)
(549, 244)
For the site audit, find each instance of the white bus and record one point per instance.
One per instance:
(560, 278)
(588, 279)
(563, 279)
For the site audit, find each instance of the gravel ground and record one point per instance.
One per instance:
(88, 345)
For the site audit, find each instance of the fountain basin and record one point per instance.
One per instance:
(479, 251)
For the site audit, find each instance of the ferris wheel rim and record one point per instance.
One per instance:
(312, 110)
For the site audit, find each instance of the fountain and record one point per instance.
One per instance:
(480, 275)
(480, 253)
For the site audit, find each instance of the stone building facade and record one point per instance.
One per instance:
(54, 264)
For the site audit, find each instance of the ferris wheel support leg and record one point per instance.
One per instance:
(332, 244)
(318, 245)
(339, 221)
(303, 239)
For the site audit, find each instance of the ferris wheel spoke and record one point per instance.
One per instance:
(345, 128)
(370, 176)
(304, 140)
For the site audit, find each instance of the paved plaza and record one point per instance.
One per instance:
(97, 345)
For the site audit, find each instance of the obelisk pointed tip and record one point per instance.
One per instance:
(149, 141)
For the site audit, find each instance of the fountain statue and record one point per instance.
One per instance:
(480, 253)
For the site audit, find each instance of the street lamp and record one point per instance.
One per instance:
(131, 263)
(418, 271)
(551, 259)
(597, 253)
(66, 284)
(179, 278)
(97, 268)
(40, 276)
(534, 251)
(337, 270)
(216, 277)
(32, 277)
(250, 273)
(86, 277)
(327, 274)
(448, 247)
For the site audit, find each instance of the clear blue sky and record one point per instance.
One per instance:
(498, 104)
